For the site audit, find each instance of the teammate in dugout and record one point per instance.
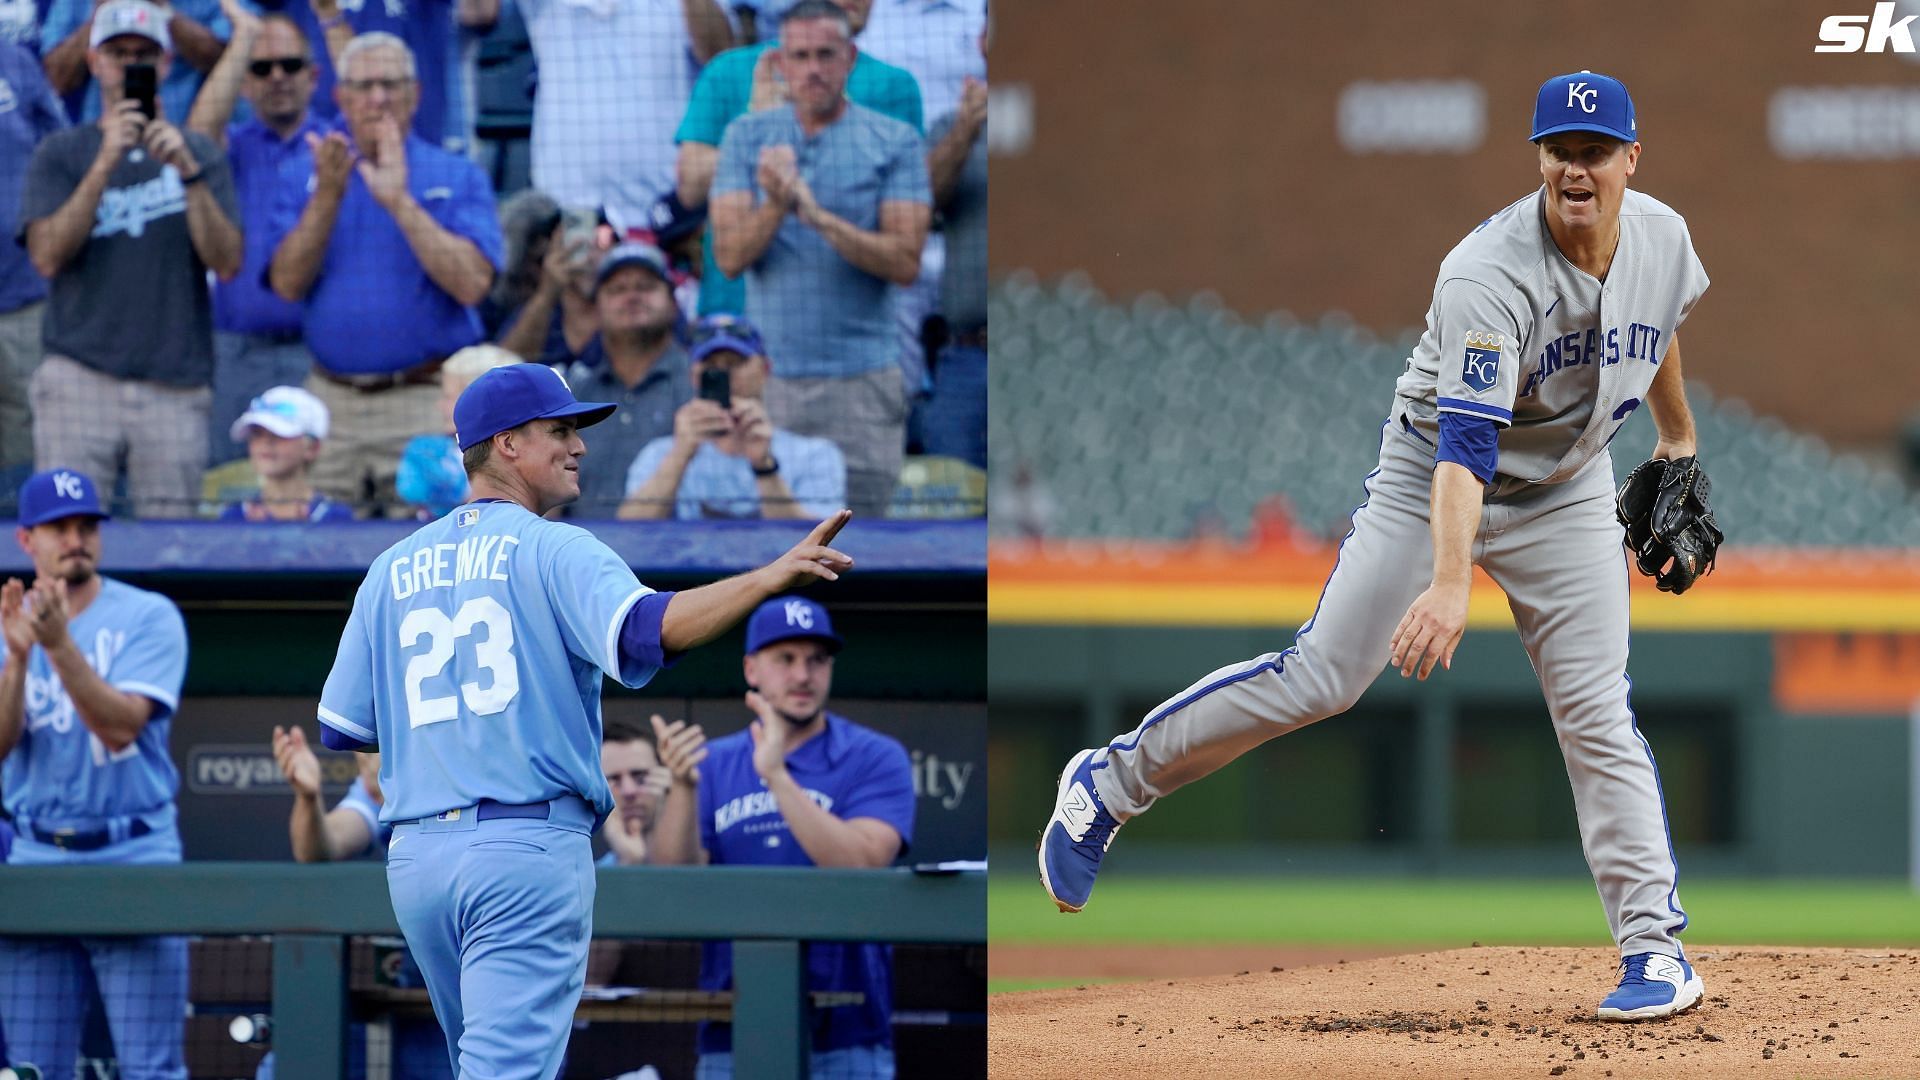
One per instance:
(92, 677)
(1551, 323)
(799, 787)
(472, 660)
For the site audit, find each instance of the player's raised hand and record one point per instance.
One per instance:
(1430, 630)
(769, 734)
(811, 559)
(682, 748)
(15, 623)
(49, 611)
(296, 760)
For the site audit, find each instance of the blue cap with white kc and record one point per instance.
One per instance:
(1584, 101)
(506, 397)
(55, 494)
(784, 618)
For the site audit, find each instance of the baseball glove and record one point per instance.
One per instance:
(1670, 527)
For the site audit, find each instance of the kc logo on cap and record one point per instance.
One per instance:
(1584, 101)
(789, 617)
(55, 494)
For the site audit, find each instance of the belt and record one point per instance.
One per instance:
(426, 374)
(490, 809)
(973, 339)
(94, 840)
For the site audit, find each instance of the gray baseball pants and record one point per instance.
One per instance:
(1555, 549)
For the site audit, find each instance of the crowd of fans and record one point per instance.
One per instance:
(288, 233)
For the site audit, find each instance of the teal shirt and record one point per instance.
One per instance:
(721, 96)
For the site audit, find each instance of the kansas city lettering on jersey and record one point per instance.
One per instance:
(444, 565)
(756, 803)
(1574, 349)
(48, 705)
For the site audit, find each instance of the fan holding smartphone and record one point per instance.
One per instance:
(125, 216)
(725, 459)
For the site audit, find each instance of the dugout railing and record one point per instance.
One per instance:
(312, 911)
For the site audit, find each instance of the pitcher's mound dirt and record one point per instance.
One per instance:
(1476, 1012)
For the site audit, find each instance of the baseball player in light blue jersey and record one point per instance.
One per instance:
(92, 677)
(1551, 323)
(472, 660)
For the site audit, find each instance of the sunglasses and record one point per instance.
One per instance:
(288, 65)
(714, 326)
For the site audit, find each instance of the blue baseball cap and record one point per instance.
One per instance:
(509, 396)
(716, 332)
(631, 253)
(55, 494)
(784, 618)
(1584, 101)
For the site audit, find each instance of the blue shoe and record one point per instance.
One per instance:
(1652, 986)
(1076, 837)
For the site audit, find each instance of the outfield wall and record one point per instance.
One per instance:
(1782, 735)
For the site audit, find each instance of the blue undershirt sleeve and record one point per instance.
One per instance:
(1470, 441)
(334, 739)
(640, 633)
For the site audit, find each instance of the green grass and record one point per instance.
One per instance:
(1445, 912)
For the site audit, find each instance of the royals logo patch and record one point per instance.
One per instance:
(1481, 369)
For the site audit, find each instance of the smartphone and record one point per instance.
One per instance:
(717, 386)
(142, 80)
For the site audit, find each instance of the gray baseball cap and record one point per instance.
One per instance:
(136, 17)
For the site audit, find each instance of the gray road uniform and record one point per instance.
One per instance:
(1559, 361)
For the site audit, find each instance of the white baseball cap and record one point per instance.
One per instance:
(136, 17)
(285, 411)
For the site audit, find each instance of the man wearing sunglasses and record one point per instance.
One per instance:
(257, 342)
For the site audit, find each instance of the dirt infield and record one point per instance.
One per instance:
(1471, 1013)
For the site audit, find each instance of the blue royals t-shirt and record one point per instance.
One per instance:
(851, 771)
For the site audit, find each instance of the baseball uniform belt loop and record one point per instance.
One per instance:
(89, 840)
(422, 374)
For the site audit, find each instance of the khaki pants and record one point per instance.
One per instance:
(368, 432)
(19, 357)
(93, 422)
(865, 415)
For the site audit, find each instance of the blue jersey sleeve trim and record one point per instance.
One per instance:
(331, 719)
(617, 630)
(334, 739)
(1501, 416)
(1471, 441)
(640, 633)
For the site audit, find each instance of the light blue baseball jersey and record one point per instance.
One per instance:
(473, 660)
(62, 774)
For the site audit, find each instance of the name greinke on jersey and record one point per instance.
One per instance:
(443, 565)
